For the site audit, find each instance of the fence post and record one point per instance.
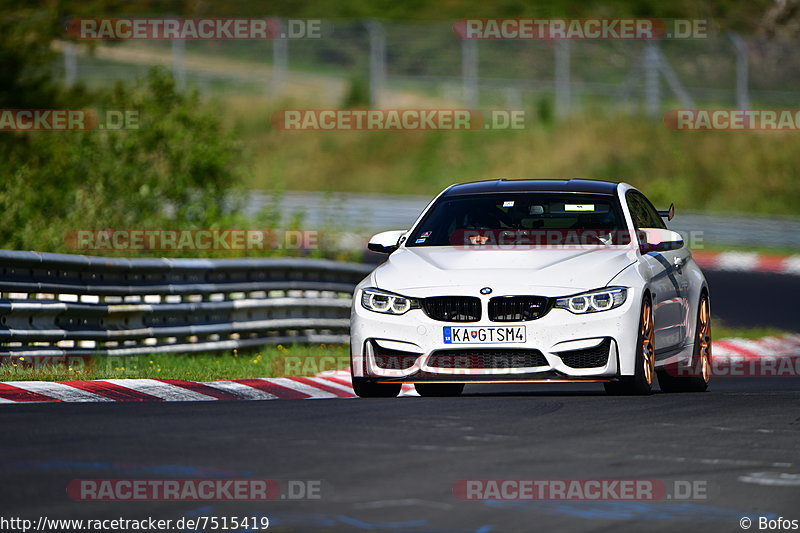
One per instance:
(742, 96)
(562, 87)
(513, 98)
(70, 64)
(377, 62)
(280, 61)
(652, 90)
(469, 72)
(674, 83)
(178, 63)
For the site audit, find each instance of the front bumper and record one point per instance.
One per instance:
(413, 345)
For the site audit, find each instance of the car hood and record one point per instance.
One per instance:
(442, 266)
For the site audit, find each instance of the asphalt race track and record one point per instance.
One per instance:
(390, 465)
(750, 299)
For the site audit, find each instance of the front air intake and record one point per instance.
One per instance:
(453, 308)
(517, 308)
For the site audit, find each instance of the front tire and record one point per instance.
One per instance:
(695, 377)
(439, 389)
(641, 383)
(366, 388)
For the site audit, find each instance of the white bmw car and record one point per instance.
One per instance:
(507, 281)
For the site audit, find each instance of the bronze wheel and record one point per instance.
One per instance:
(641, 382)
(694, 375)
(648, 340)
(704, 339)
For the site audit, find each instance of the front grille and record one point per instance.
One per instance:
(587, 358)
(393, 359)
(453, 308)
(517, 308)
(479, 359)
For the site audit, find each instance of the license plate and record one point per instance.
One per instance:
(491, 334)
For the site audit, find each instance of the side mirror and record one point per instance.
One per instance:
(386, 242)
(659, 240)
(669, 213)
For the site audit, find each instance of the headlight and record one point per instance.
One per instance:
(386, 302)
(593, 301)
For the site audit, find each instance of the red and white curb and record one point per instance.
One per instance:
(766, 347)
(748, 262)
(331, 384)
(335, 384)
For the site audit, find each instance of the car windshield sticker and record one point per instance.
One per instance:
(578, 207)
(509, 203)
(425, 235)
(418, 241)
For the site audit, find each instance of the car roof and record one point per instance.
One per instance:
(531, 185)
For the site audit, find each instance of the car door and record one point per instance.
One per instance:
(668, 283)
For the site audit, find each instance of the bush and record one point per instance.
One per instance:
(171, 172)
(357, 94)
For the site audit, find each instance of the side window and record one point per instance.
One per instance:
(642, 211)
(637, 210)
(655, 219)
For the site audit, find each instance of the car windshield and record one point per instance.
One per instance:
(522, 218)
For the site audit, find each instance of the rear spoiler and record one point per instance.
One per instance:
(669, 213)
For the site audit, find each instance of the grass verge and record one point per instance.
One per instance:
(265, 363)
(721, 331)
(764, 250)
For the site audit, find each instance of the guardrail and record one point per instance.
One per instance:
(58, 304)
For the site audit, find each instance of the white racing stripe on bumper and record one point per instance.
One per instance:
(59, 391)
(159, 389)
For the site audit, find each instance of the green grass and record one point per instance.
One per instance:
(703, 171)
(269, 362)
(721, 331)
(766, 250)
(265, 363)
